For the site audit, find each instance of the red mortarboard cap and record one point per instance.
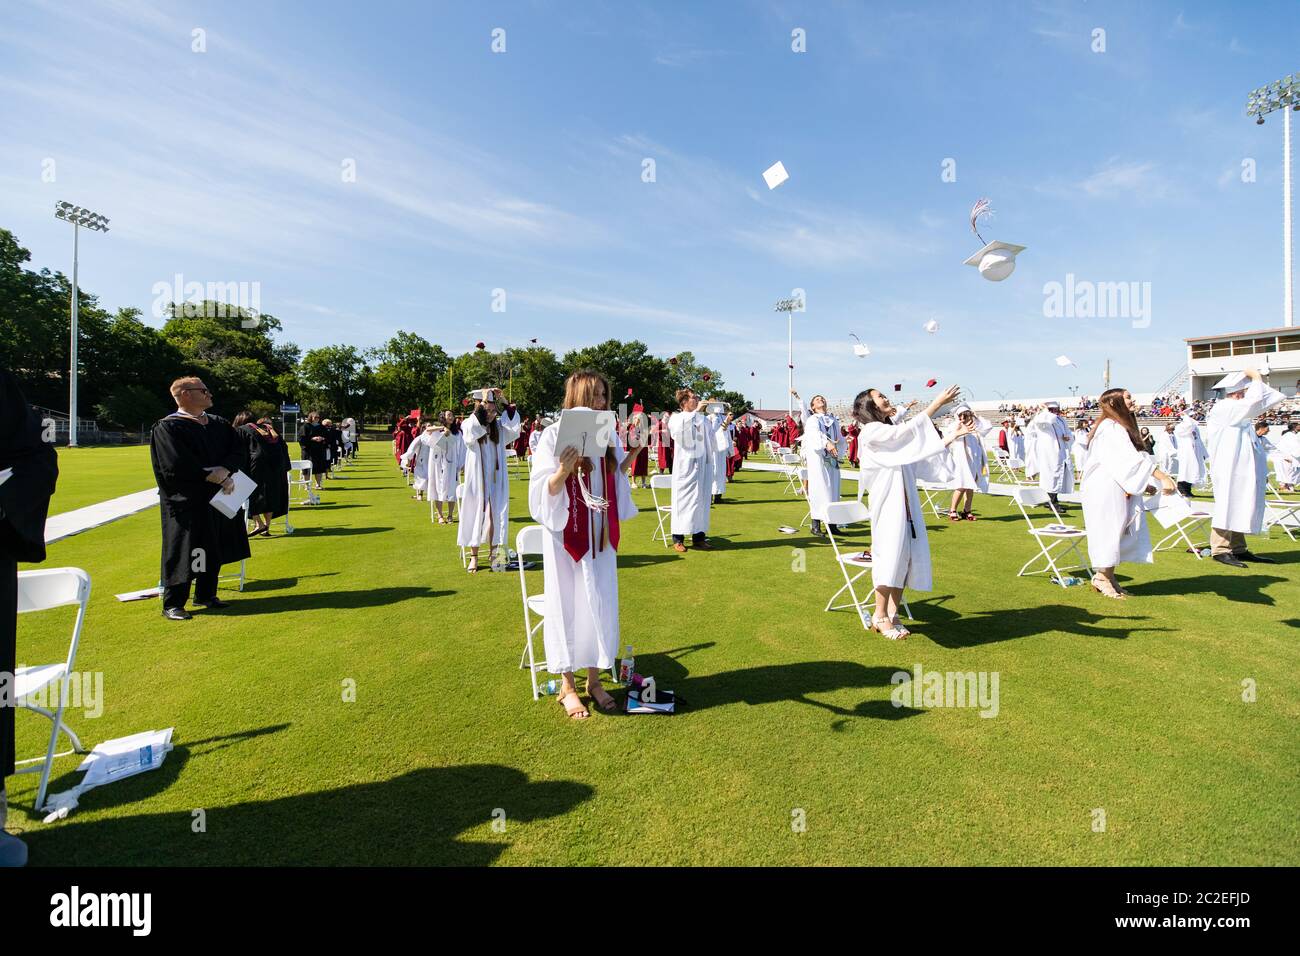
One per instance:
(415, 413)
(673, 360)
(930, 384)
(898, 388)
(705, 376)
(638, 408)
(464, 401)
(478, 345)
(629, 393)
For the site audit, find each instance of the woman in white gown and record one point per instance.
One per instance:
(445, 464)
(1287, 463)
(1166, 452)
(416, 460)
(823, 445)
(581, 503)
(968, 461)
(1116, 473)
(485, 509)
(1191, 455)
(888, 452)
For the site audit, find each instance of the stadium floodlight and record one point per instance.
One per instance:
(789, 307)
(1276, 96)
(79, 217)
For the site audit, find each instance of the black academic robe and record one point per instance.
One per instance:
(182, 450)
(315, 451)
(24, 503)
(268, 465)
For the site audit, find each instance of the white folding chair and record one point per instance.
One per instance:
(1055, 542)
(43, 590)
(1282, 514)
(657, 482)
(1182, 519)
(303, 481)
(839, 514)
(928, 490)
(792, 462)
(802, 492)
(529, 541)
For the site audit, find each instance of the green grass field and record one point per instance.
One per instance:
(1131, 707)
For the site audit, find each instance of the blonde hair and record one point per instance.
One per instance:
(181, 384)
(580, 389)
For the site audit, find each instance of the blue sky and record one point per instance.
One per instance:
(522, 171)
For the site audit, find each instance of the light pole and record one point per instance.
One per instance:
(78, 217)
(789, 307)
(1278, 96)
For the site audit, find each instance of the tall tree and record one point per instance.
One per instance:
(338, 377)
(407, 369)
(627, 365)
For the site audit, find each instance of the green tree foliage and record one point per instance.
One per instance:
(132, 407)
(407, 370)
(627, 365)
(337, 379)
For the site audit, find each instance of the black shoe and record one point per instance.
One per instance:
(1251, 556)
(177, 614)
(214, 605)
(1230, 560)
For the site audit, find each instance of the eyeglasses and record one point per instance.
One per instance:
(195, 388)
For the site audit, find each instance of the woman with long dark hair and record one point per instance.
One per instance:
(1117, 471)
(485, 509)
(889, 450)
(268, 465)
(581, 502)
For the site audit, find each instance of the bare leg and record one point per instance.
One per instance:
(569, 698)
(598, 693)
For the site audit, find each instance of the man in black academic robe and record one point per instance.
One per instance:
(194, 454)
(24, 503)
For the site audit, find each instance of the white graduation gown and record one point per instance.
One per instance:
(486, 506)
(1238, 464)
(1166, 453)
(1016, 445)
(1029, 440)
(823, 469)
(1079, 450)
(1051, 453)
(721, 452)
(967, 459)
(888, 454)
(1114, 477)
(416, 457)
(580, 613)
(693, 437)
(1191, 452)
(445, 464)
(1288, 460)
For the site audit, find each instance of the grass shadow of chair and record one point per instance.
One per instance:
(1246, 588)
(326, 600)
(955, 629)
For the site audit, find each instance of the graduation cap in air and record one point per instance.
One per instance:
(996, 260)
(859, 349)
(931, 383)
(898, 388)
(932, 326)
(775, 175)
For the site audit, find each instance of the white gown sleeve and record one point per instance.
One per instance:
(472, 429)
(548, 510)
(1131, 469)
(623, 488)
(509, 426)
(892, 446)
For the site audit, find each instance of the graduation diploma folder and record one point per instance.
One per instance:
(587, 430)
(229, 504)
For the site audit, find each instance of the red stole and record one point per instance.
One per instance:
(578, 527)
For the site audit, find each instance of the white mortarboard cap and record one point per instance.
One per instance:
(1052, 403)
(932, 326)
(1232, 382)
(860, 350)
(1064, 360)
(996, 261)
(775, 175)
(960, 407)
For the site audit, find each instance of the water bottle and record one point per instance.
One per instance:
(547, 688)
(499, 559)
(626, 666)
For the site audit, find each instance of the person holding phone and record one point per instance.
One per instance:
(485, 509)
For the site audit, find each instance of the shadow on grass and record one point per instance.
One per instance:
(1230, 584)
(774, 684)
(325, 532)
(323, 601)
(952, 629)
(415, 819)
(278, 584)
